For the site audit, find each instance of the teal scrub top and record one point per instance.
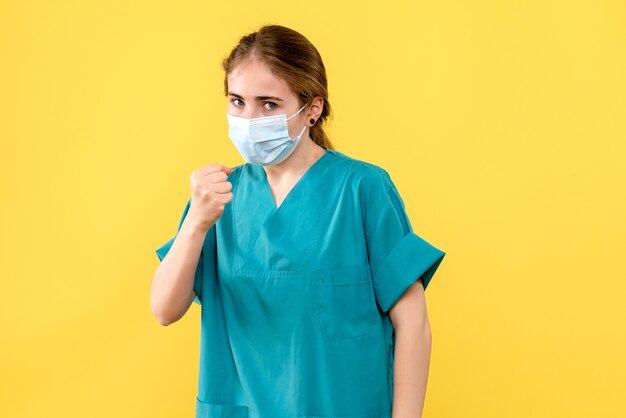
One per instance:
(295, 300)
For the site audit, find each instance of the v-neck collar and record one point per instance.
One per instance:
(267, 190)
(268, 240)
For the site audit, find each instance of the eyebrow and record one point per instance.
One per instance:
(230, 93)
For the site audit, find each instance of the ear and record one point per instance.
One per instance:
(315, 108)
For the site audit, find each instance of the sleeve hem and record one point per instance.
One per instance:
(409, 260)
(164, 249)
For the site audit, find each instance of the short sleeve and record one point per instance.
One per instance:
(164, 249)
(398, 256)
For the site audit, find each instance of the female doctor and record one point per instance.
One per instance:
(307, 270)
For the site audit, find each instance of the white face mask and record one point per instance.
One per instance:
(264, 140)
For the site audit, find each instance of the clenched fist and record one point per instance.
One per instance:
(210, 192)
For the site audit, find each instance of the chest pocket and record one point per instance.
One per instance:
(345, 306)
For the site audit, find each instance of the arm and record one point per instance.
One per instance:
(412, 352)
(171, 291)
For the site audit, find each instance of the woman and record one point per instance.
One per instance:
(310, 278)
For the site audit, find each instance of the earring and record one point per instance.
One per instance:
(312, 121)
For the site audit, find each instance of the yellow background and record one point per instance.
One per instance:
(502, 124)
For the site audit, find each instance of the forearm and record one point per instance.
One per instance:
(172, 284)
(411, 364)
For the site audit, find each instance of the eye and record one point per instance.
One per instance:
(234, 100)
(274, 105)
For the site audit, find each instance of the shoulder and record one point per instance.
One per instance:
(370, 180)
(237, 169)
(370, 183)
(236, 172)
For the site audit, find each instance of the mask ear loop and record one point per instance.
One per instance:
(301, 132)
(297, 111)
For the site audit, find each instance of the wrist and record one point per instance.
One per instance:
(195, 224)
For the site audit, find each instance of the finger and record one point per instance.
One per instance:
(221, 187)
(211, 168)
(215, 177)
(223, 198)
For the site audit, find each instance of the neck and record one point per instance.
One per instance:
(302, 157)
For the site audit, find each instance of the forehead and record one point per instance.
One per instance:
(252, 78)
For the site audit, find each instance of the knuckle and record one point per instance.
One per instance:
(205, 193)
